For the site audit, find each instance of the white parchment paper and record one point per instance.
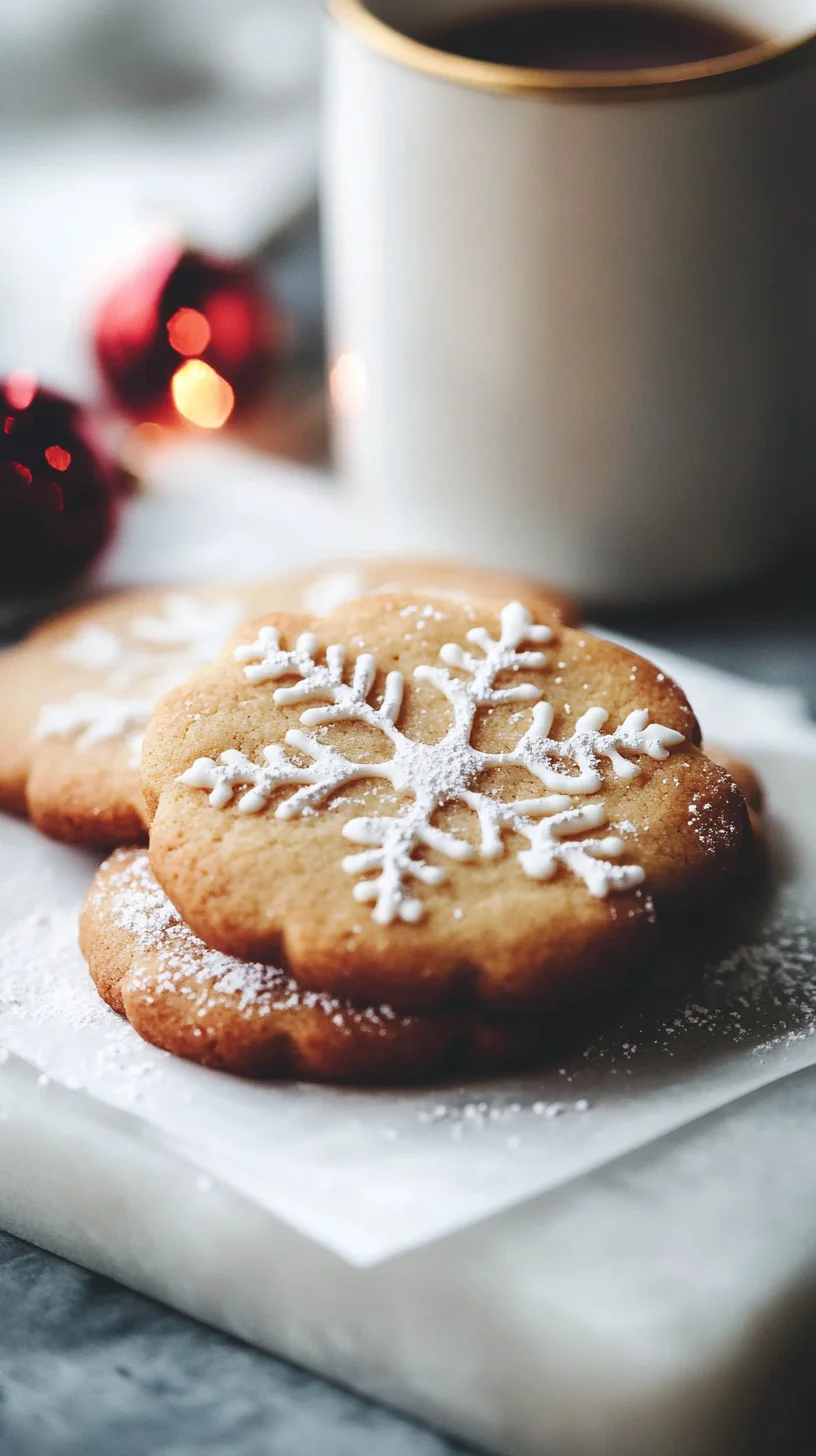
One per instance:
(371, 1174)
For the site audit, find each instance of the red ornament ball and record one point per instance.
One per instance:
(187, 336)
(58, 489)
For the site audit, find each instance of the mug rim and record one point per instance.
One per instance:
(736, 68)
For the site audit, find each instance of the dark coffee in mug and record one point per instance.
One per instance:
(596, 35)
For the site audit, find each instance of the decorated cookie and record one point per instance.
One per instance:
(77, 696)
(435, 804)
(753, 792)
(741, 772)
(323, 588)
(254, 1020)
(78, 693)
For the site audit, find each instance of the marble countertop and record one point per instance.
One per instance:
(89, 1369)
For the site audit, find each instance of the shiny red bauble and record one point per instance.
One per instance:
(187, 336)
(58, 489)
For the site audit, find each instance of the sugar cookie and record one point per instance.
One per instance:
(435, 804)
(753, 791)
(77, 696)
(323, 588)
(254, 1020)
(78, 693)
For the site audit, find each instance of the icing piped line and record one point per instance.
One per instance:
(439, 773)
(185, 635)
(195, 628)
(92, 718)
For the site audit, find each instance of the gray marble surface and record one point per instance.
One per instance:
(90, 1369)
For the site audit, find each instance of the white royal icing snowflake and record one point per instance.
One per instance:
(187, 634)
(196, 629)
(91, 718)
(434, 774)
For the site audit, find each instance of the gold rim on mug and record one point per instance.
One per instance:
(743, 67)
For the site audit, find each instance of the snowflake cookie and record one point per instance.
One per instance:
(78, 694)
(254, 1020)
(323, 588)
(435, 803)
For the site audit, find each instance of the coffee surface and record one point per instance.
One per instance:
(596, 35)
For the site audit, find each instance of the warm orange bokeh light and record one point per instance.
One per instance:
(202, 396)
(58, 458)
(348, 384)
(189, 332)
(21, 388)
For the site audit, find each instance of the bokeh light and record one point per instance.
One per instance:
(58, 458)
(21, 388)
(59, 488)
(201, 395)
(180, 305)
(189, 332)
(348, 384)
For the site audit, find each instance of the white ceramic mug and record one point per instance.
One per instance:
(569, 321)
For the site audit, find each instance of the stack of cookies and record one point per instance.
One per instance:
(409, 821)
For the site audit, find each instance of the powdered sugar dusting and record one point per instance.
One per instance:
(133, 899)
(36, 957)
(733, 1003)
(51, 1014)
(368, 1174)
(714, 831)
